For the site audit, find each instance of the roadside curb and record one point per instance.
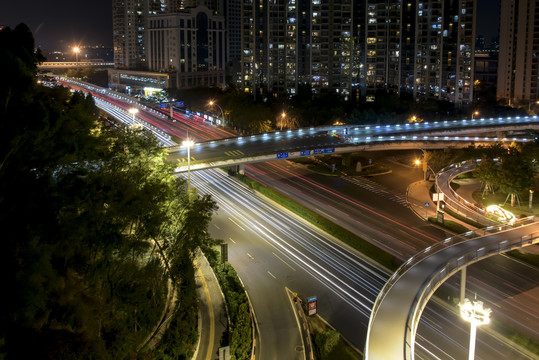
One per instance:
(200, 261)
(308, 346)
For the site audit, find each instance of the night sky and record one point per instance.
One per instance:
(60, 24)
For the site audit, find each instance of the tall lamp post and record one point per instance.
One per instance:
(476, 315)
(188, 144)
(76, 50)
(134, 112)
(475, 113)
(211, 103)
(283, 117)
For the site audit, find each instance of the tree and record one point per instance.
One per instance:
(95, 221)
(487, 173)
(516, 175)
(437, 160)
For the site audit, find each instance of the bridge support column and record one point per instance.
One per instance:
(462, 285)
(241, 169)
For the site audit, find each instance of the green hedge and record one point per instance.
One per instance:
(240, 327)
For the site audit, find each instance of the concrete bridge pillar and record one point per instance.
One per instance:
(241, 169)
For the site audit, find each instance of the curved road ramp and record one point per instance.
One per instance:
(397, 310)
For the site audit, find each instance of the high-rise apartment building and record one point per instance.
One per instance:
(331, 46)
(383, 46)
(189, 44)
(518, 63)
(289, 42)
(182, 39)
(424, 48)
(128, 26)
(421, 47)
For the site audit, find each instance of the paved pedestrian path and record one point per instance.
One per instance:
(420, 201)
(212, 319)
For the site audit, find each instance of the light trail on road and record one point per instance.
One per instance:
(357, 283)
(351, 280)
(354, 281)
(353, 215)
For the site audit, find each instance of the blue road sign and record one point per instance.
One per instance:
(162, 105)
(329, 150)
(427, 204)
(179, 103)
(305, 152)
(283, 155)
(318, 151)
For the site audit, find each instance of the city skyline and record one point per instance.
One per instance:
(60, 24)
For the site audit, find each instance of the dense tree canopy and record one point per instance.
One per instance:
(512, 173)
(95, 224)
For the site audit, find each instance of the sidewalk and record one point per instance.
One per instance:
(212, 317)
(420, 201)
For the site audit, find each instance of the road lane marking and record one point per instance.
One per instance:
(217, 227)
(277, 256)
(235, 223)
(250, 256)
(231, 240)
(273, 276)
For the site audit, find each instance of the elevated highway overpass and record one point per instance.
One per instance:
(51, 65)
(345, 139)
(325, 140)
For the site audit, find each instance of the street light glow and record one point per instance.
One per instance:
(133, 111)
(476, 315)
(76, 50)
(211, 103)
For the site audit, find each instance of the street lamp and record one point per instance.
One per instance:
(133, 111)
(283, 117)
(76, 50)
(530, 105)
(211, 103)
(188, 144)
(475, 113)
(476, 315)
